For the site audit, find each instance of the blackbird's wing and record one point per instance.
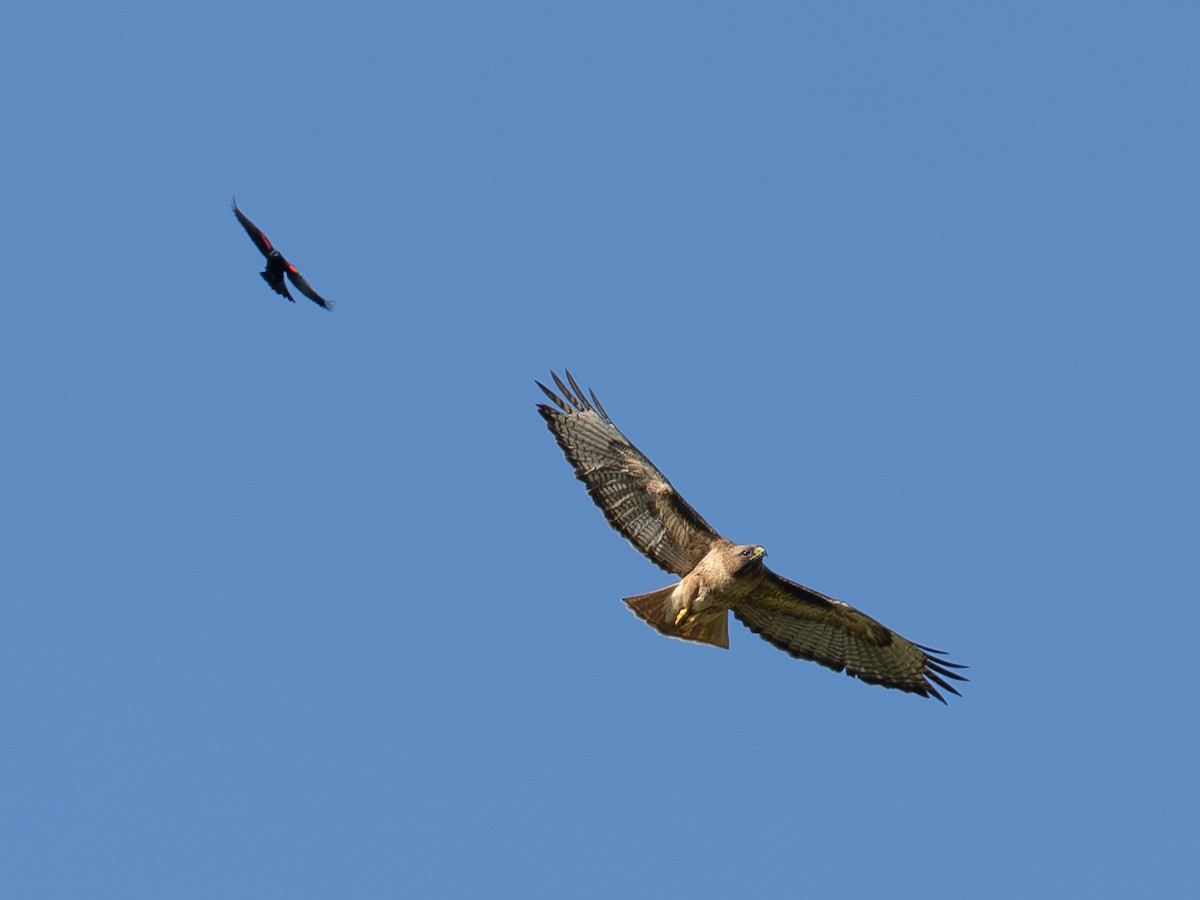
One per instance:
(304, 287)
(260, 240)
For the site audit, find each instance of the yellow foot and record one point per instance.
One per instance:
(683, 614)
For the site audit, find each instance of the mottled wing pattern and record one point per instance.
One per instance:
(812, 626)
(304, 287)
(260, 239)
(634, 496)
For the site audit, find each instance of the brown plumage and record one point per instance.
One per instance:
(718, 575)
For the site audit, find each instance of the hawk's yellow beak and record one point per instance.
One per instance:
(759, 552)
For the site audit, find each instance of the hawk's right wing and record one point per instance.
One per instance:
(634, 496)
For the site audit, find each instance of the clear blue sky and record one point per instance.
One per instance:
(307, 604)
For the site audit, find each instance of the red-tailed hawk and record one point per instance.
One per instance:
(716, 575)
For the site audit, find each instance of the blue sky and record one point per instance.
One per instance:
(305, 604)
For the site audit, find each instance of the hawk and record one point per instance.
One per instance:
(716, 575)
(277, 266)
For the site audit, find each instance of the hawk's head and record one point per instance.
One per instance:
(748, 554)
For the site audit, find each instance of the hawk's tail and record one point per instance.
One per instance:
(657, 611)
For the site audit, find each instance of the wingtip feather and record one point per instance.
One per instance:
(553, 397)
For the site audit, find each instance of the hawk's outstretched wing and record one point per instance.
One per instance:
(635, 497)
(809, 625)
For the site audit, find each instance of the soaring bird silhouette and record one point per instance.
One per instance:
(718, 576)
(277, 266)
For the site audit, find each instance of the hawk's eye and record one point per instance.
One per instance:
(745, 553)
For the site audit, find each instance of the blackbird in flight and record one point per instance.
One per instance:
(277, 266)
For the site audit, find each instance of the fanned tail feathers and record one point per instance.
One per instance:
(656, 610)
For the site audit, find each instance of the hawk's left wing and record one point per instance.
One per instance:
(809, 625)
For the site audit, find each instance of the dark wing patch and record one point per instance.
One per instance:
(304, 287)
(273, 275)
(809, 625)
(260, 239)
(634, 496)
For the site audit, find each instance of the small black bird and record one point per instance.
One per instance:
(277, 266)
